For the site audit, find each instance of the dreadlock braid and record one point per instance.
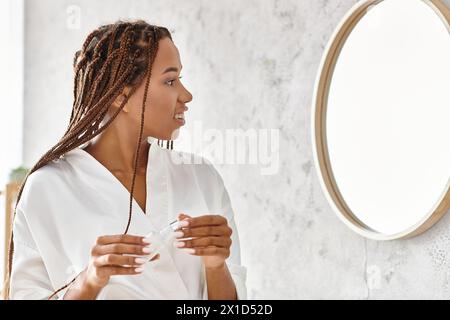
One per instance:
(112, 57)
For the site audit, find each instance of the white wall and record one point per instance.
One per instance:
(11, 93)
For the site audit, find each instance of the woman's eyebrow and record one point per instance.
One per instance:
(169, 69)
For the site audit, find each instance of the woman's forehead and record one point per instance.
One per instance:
(166, 57)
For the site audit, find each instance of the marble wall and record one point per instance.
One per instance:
(248, 64)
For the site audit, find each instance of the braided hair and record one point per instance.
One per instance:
(113, 56)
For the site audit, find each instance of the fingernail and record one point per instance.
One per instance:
(178, 234)
(183, 223)
(146, 250)
(146, 240)
(189, 250)
(139, 260)
(139, 269)
(179, 244)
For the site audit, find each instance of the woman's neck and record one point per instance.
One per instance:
(116, 150)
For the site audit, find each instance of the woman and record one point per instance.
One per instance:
(75, 237)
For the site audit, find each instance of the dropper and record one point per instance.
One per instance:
(159, 238)
(173, 226)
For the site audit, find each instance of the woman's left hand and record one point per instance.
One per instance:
(211, 238)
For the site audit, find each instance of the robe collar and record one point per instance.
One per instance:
(157, 208)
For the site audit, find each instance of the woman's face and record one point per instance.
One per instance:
(166, 97)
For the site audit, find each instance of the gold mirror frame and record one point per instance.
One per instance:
(319, 141)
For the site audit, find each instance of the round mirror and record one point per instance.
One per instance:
(381, 118)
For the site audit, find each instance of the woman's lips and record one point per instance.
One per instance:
(180, 121)
(180, 118)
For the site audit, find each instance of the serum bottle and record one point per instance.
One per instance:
(159, 238)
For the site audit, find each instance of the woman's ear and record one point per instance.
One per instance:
(120, 99)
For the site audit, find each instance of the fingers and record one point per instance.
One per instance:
(120, 248)
(182, 216)
(224, 242)
(119, 255)
(122, 238)
(116, 270)
(207, 231)
(118, 260)
(211, 251)
(207, 220)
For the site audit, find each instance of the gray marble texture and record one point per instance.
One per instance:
(249, 64)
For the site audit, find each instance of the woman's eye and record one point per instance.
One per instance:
(170, 82)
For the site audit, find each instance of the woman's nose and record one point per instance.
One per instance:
(185, 95)
(189, 96)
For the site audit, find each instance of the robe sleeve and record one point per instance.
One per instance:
(237, 270)
(31, 267)
(29, 277)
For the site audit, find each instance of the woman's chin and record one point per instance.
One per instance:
(166, 136)
(175, 134)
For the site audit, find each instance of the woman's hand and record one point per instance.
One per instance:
(110, 256)
(211, 238)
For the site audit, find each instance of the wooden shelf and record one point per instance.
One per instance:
(10, 192)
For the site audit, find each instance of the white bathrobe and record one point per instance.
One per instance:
(69, 202)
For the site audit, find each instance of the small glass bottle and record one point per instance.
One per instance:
(160, 238)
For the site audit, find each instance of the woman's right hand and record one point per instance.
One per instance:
(110, 257)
